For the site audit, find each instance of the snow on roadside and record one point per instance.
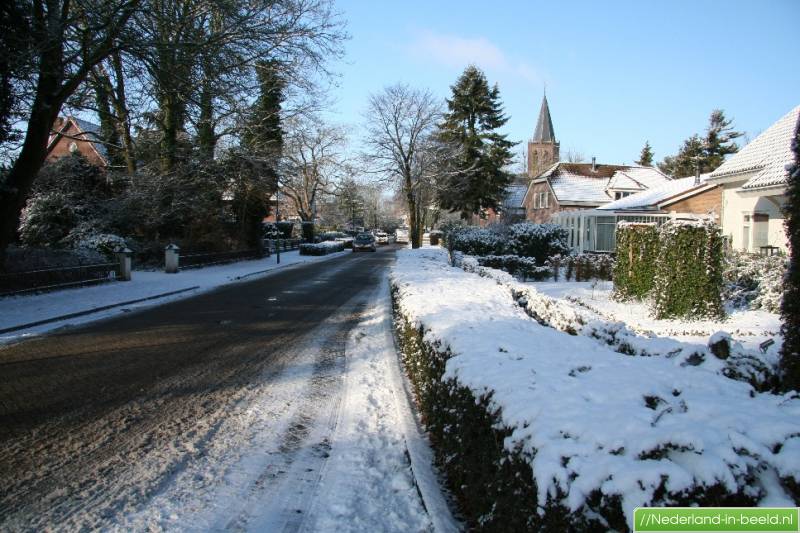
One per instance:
(590, 419)
(749, 327)
(368, 483)
(18, 310)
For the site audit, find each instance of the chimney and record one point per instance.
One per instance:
(697, 175)
(594, 164)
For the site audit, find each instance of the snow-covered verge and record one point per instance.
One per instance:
(537, 428)
(587, 309)
(18, 310)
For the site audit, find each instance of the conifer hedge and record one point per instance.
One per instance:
(688, 271)
(637, 248)
(790, 308)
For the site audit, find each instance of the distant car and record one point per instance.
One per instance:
(401, 235)
(364, 242)
(381, 238)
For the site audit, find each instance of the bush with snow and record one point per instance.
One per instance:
(321, 248)
(754, 282)
(539, 430)
(637, 252)
(538, 241)
(473, 240)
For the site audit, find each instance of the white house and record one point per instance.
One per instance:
(753, 185)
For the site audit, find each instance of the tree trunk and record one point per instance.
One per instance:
(46, 106)
(123, 118)
(169, 133)
(413, 223)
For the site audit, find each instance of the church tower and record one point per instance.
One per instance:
(543, 148)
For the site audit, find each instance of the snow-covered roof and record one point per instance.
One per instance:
(578, 183)
(569, 187)
(768, 154)
(93, 135)
(653, 197)
(515, 194)
(648, 177)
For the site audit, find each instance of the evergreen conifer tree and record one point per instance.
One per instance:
(475, 178)
(719, 141)
(646, 156)
(708, 152)
(790, 307)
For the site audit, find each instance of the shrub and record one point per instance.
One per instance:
(286, 228)
(321, 248)
(755, 282)
(308, 231)
(472, 240)
(637, 248)
(790, 307)
(688, 276)
(538, 241)
(47, 219)
(523, 267)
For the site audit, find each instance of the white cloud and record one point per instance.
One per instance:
(458, 52)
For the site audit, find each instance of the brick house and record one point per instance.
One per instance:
(71, 135)
(572, 186)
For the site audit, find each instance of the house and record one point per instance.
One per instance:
(71, 135)
(573, 186)
(753, 183)
(511, 208)
(594, 230)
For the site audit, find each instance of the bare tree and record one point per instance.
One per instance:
(313, 162)
(400, 125)
(575, 156)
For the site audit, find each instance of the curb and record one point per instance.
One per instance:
(95, 310)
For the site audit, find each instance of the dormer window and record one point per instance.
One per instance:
(621, 194)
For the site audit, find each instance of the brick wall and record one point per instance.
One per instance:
(540, 215)
(700, 204)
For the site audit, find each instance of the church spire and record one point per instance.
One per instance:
(544, 132)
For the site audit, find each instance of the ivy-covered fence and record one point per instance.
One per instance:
(679, 265)
(637, 247)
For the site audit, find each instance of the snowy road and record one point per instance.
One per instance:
(264, 406)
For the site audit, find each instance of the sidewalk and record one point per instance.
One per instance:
(146, 289)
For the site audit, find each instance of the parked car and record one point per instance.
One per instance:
(401, 235)
(381, 238)
(364, 242)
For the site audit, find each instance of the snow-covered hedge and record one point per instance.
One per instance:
(739, 363)
(537, 241)
(637, 250)
(321, 248)
(753, 281)
(537, 429)
(522, 267)
(688, 273)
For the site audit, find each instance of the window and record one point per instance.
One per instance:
(621, 194)
(536, 201)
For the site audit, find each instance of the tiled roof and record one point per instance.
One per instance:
(515, 194)
(652, 197)
(577, 182)
(649, 177)
(768, 155)
(92, 134)
(569, 187)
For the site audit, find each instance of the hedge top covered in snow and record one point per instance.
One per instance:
(592, 420)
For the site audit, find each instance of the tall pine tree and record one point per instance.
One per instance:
(646, 156)
(708, 152)
(790, 307)
(475, 178)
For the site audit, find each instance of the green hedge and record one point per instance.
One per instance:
(637, 249)
(494, 487)
(688, 276)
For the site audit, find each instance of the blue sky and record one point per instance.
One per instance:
(617, 73)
